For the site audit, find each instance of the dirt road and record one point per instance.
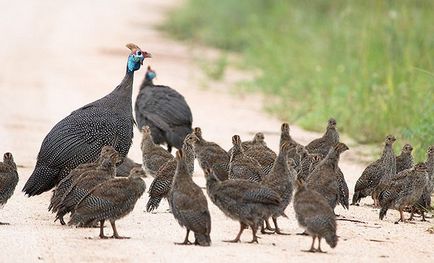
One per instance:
(56, 56)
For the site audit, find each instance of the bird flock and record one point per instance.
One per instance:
(84, 159)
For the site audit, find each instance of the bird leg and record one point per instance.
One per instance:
(412, 214)
(254, 228)
(423, 217)
(62, 221)
(169, 148)
(277, 231)
(319, 246)
(115, 232)
(186, 242)
(267, 227)
(237, 238)
(101, 230)
(312, 249)
(302, 234)
(401, 218)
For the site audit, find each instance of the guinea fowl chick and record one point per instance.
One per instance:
(280, 179)
(261, 153)
(160, 186)
(123, 170)
(247, 202)
(323, 179)
(64, 185)
(258, 140)
(286, 137)
(329, 139)
(242, 166)
(110, 200)
(210, 155)
(189, 205)
(405, 159)
(8, 179)
(389, 170)
(84, 184)
(153, 156)
(164, 110)
(424, 202)
(315, 215)
(370, 177)
(404, 190)
(307, 162)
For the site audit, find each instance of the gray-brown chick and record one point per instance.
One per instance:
(160, 186)
(84, 184)
(307, 161)
(110, 200)
(329, 139)
(405, 159)
(258, 140)
(424, 202)
(261, 153)
(210, 155)
(8, 179)
(372, 174)
(285, 137)
(247, 202)
(153, 156)
(64, 185)
(315, 215)
(404, 190)
(281, 179)
(189, 205)
(389, 168)
(242, 166)
(323, 179)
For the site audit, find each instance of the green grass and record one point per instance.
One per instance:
(370, 64)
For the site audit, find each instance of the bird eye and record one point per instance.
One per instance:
(139, 53)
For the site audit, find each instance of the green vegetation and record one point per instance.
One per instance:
(368, 63)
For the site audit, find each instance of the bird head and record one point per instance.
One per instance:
(259, 137)
(137, 172)
(407, 148)
(191, 139)
(390, 139)
(430, 151)
(136, 57)
(421, 167)
(331, 124)
(285, 128)
(198, 132)
(236, 140)
(8, 157)
(150, 74)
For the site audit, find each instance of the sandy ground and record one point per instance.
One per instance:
(56, 56)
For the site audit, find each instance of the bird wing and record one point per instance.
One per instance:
(343, 191)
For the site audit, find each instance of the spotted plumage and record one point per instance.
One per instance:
(8, 178)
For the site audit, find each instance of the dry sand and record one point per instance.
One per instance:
(56, 56)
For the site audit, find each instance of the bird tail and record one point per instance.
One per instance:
(42, 179)
(331, 239)
(383, 212)
(153, 203)
(356, 198)
(202, 239)
(76, 219)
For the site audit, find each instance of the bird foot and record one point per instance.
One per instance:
(281, 233)
(319, 250)
(119, 237)
(103, 237)
(236, 240)
(62, 221)
(302, 234)
(255, 240)
(267, 232)
(4, 224)
(185, 243)
(424, 220)
(310, 250)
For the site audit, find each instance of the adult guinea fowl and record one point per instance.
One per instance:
(79, 137)
(164, 110)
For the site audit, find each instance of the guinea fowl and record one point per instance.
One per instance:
(258, 140)
(210, 155)
(329, 139)
(370, 177)
(405, 159)
(160, 186)
(323, 178)
(79, 137)
(389, 171)
(154, 156)
(261, 153)
(242, 166)
(64, 185)
(164, 110)
(123, 170)
(247, 202)
(189, 205)
(424, 202)
(404, 190)
(315, 215)
(307, 162)
(286, 137)
(110, 200)
(280, 179)
(83, 185)
(8, 179)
